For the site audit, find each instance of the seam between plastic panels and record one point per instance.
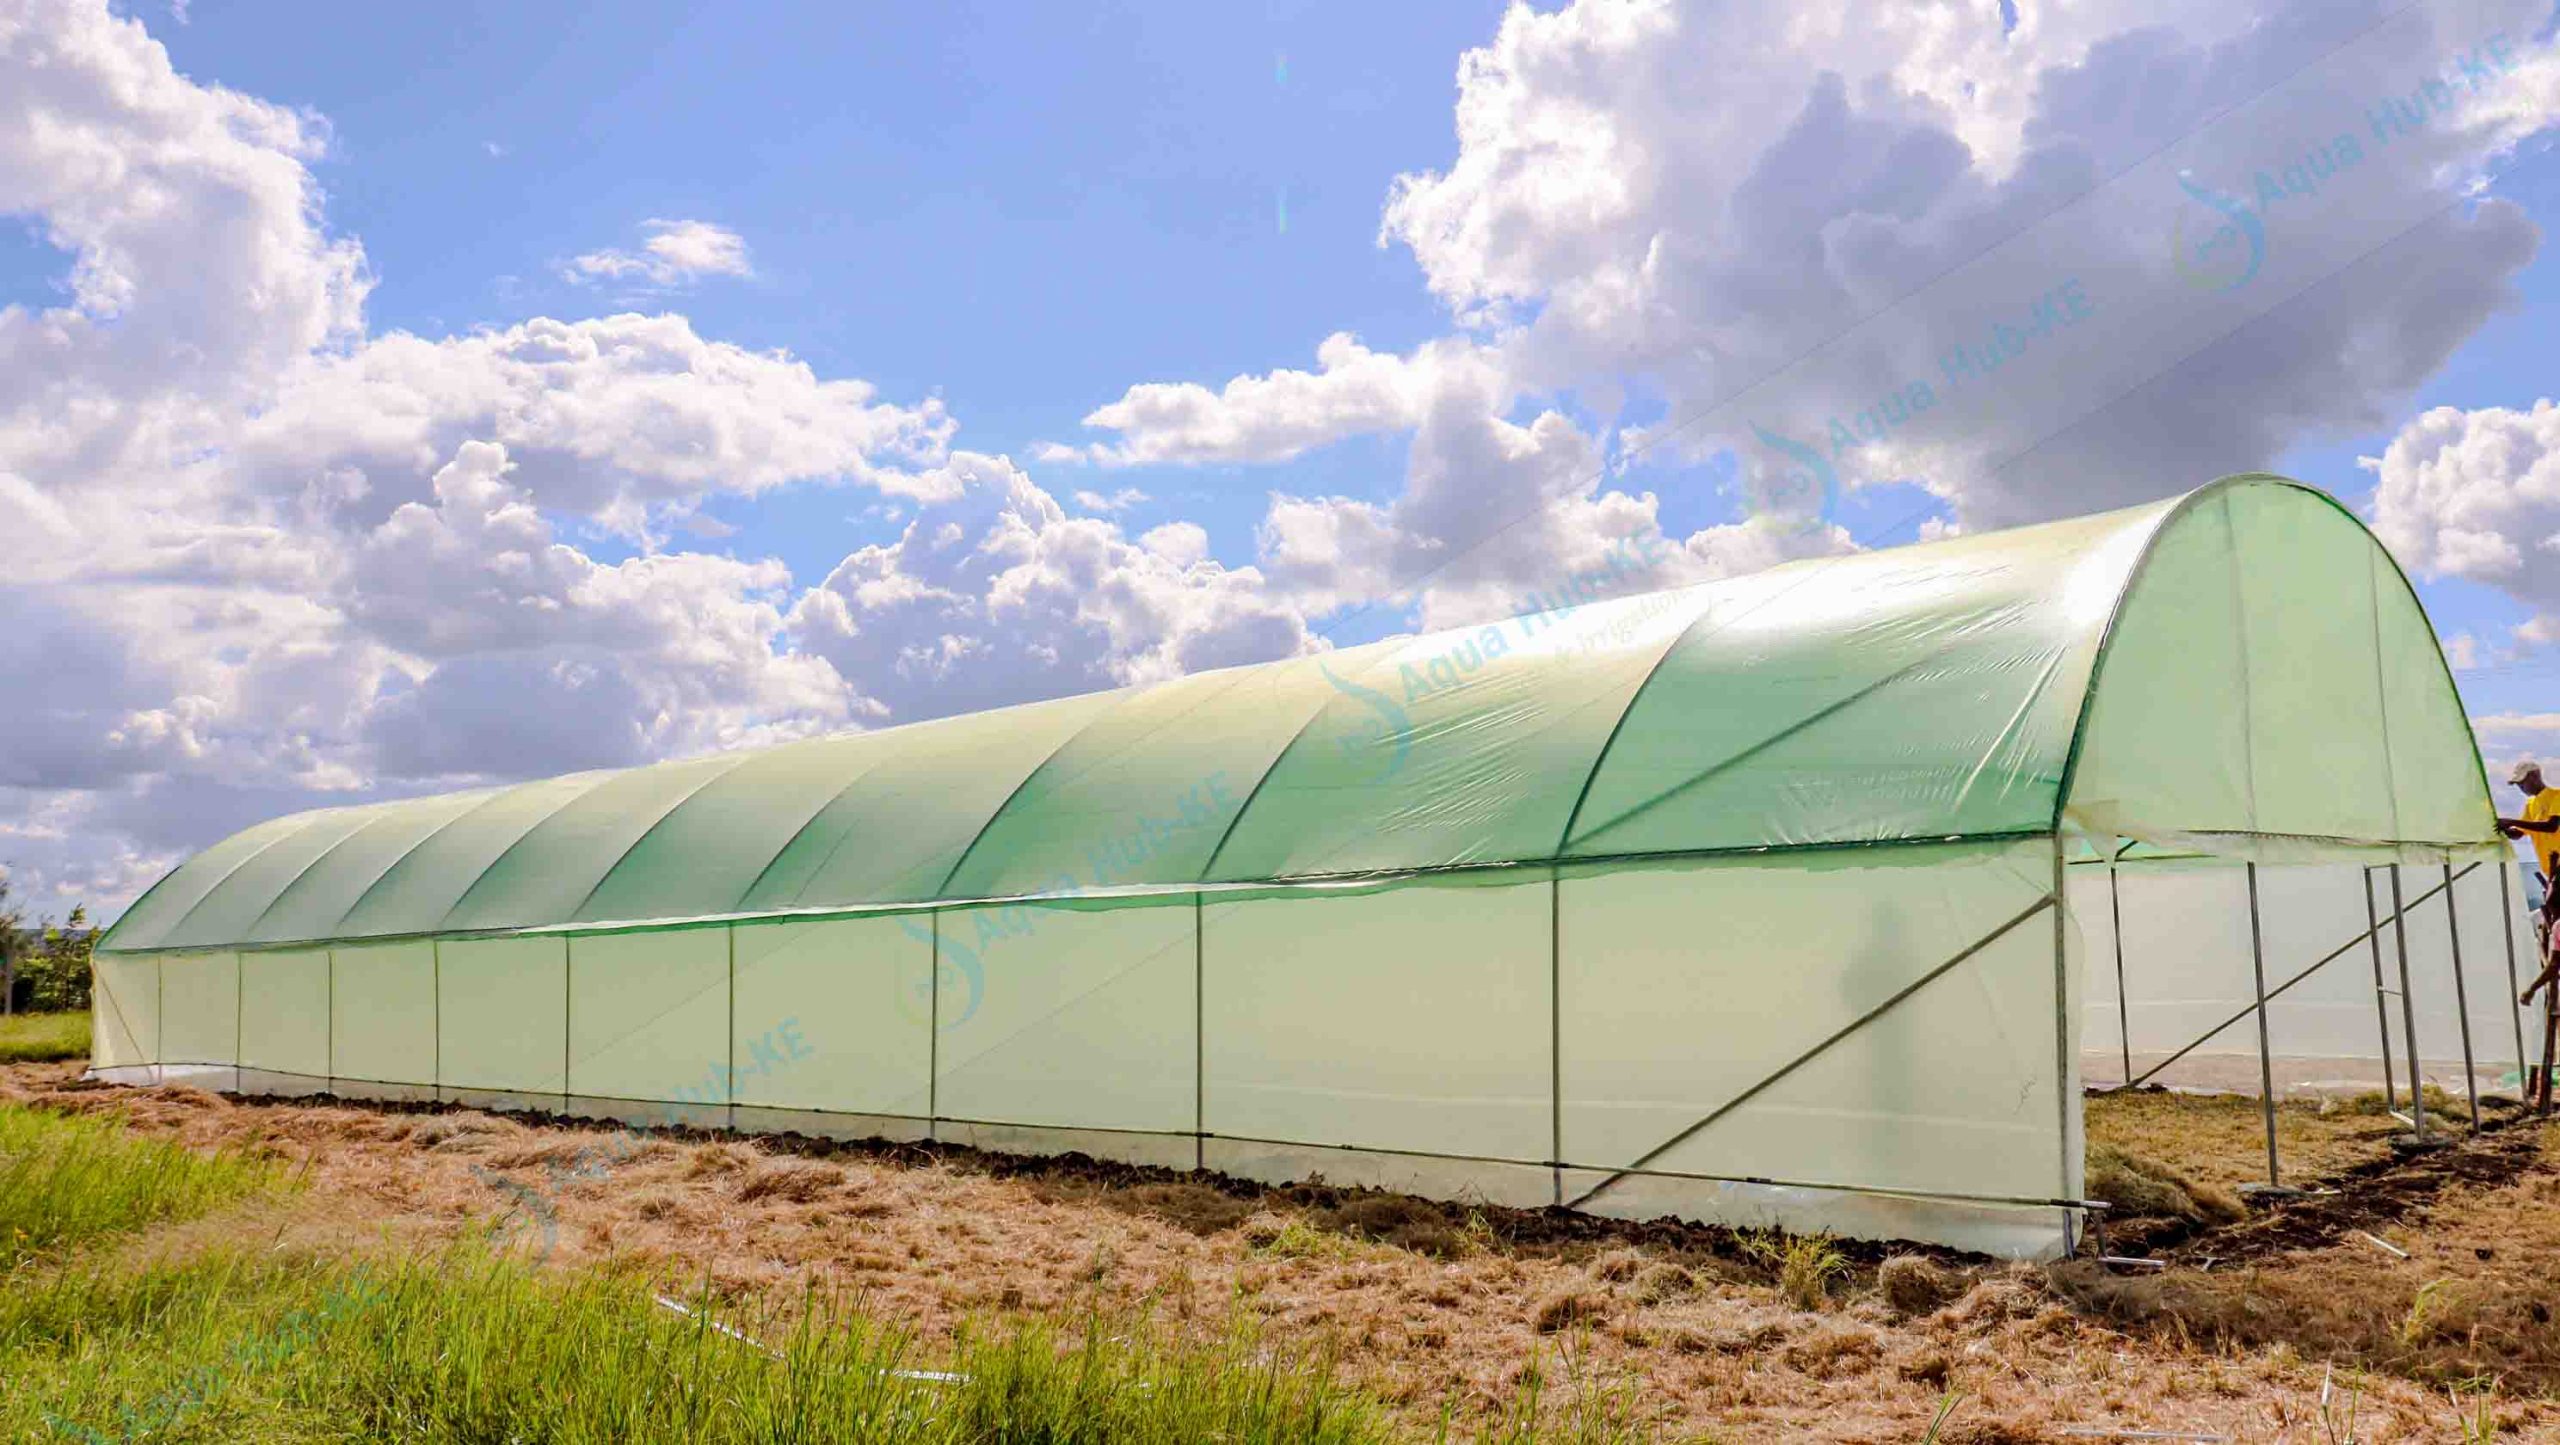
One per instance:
(1564, 840)
(2382, 693)
(2026, 705)
(180, 921)
(655, 824)
(390, 815)
(1209, 865)
(869, 767)
(1035, 770)
(1140, 895)
(512, 844)
(590, 790)
(1725, 764)
(432, 834)
(2488, 800)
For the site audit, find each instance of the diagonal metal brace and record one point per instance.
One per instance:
(1808, 1056)
(2272, 994)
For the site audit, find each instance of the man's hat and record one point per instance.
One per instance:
(2523, 769)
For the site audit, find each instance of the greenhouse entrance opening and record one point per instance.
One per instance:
(1790, 899)
(2353, 963)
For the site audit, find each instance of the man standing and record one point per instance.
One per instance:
(2541, 817)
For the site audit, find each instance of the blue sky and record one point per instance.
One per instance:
(364, 440)
(1021, 208)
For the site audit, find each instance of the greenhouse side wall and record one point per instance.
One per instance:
(1863, 1040)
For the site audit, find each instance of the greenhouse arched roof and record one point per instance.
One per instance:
(2242, 669)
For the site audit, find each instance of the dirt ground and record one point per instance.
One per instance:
(2272, 1329)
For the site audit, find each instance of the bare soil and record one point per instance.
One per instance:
(2253, 1326)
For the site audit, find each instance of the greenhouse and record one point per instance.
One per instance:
(1808, 898)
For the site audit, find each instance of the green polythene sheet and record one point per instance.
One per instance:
(2240, 671)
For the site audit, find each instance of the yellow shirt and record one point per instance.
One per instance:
(2541, 807)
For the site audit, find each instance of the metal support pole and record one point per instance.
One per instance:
(1555, 1027)
(2507, 930)
(2381, 993)
(1199, 1034)
(933, 1037)
(2115, 923)
(2266, 1055)
(2550, 1037)
(2408, 1007)
(730, 1088)
(2066, 1055)
(2461, 998)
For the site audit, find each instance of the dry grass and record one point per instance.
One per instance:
(2141, 1188)
(1430, 1305)
(2219, 1142)
(2476, 1300)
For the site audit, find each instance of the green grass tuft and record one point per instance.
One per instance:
(65, 1179)
(44, 1038)
(469, 1346)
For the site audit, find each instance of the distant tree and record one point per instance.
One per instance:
(44, 967)
(13, 923)
(58, 972)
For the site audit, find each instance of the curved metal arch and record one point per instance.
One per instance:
(1209, 865)
(390, 814)
(633, 846)
(104, 943)
(457, 820)
(943, 889)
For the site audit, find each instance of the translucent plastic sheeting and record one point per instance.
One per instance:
(502, 1008)
(284, 1011)
(1884, 1018)
(124, 1011)
(200, 1009)
(162, 910)
(2267, 686)
(416, 893)
(1456, 748)
(383, 1014)
(2271, 689)
(1145, 793)
(547, 875)
(1409, 1018)
(1068, 1017)
(315, 904)
(234, 906)
(1912, 692)
(899, 830)
(2187, 969)
(649, 1016)
(836, 1015)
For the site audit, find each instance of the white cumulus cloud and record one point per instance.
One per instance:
(672, 253)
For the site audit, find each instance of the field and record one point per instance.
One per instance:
(315, 1271)
(37, 1038)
